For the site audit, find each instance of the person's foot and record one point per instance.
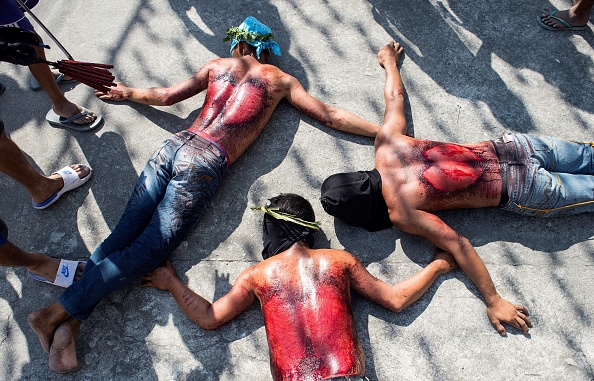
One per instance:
(40, 323)
(62, 357)
(47, 267)
(56, 182)
(72, 109)
(566, 19)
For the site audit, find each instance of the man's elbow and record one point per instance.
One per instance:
(397, 304)
(397, 307)
(164, 97)
(207, 325)
(167, 99)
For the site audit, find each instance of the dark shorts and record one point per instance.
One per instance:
(11, 15)
(348, 378)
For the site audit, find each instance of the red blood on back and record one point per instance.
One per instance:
(452, 167)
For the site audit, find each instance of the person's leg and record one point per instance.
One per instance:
(559, 178)
(577, 15)
(53, 322)
(14, 164)
(37, 263)
(194, 176)
(148, 192)
(558, 155)
(43, 74)
(61, 105)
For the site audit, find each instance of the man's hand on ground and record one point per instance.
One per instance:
(161, 277)
(118, 93)
(389, 55)
(503, 311)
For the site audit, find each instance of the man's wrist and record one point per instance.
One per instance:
(491, 300)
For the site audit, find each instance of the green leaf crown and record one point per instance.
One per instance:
(274, 212)
(243, 35)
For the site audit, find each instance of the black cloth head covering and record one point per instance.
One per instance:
(279, 235)
(356, 198)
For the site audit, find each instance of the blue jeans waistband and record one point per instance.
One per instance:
(208, 138)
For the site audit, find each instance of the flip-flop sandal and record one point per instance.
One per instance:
(567, 26)
(35, 86)
(56, 120)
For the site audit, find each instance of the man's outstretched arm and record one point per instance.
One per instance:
(401, 295)
(332, 117)
(199, 310)
(441, 235)
(159, 96)
(394, 116)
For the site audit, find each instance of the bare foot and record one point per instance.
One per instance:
(45, 322)
(62, 357)
(56, 183)
(390, 54)
(70, 109)
(38, 321)
(47, 267)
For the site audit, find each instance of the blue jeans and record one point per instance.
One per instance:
(552, 177)
(169, 198)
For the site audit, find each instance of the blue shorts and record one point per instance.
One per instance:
(11, 14)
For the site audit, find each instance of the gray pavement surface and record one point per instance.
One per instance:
(473, 70)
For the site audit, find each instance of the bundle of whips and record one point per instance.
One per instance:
(94, 75)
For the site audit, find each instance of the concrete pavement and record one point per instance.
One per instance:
(472, 71)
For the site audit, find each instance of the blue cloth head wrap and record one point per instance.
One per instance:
(257, 34)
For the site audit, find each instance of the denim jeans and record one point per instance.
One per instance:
(557, 176)
(169, 198)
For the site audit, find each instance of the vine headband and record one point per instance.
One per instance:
(275, 213)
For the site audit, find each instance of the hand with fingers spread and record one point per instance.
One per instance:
(118, 93)
(502, 311)
(160, 278)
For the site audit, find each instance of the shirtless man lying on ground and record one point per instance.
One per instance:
(305, 295)
(414, 178)
(177, 183)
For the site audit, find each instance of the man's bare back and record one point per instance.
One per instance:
(305, 295)
(414, 178)
(433, 176)
(308, 315)
(241, 96)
